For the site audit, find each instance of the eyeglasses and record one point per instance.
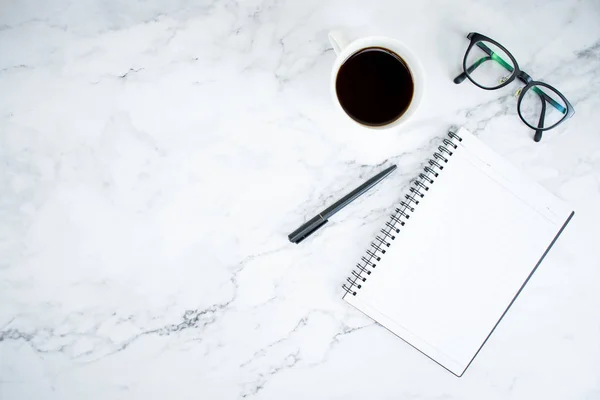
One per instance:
(532, 99)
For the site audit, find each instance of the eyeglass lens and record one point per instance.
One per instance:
(488, 65)
(540, 101)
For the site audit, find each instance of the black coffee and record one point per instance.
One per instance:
(374, 86)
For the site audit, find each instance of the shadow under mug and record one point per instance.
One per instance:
(344, 49)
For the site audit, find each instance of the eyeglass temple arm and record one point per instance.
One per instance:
(472, 68)
(491, 56)
(538, 132)
(549, 99)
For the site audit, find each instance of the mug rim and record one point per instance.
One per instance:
(397, 47)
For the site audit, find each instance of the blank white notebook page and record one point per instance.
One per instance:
(463, 255)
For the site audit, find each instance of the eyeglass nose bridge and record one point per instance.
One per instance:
(524, 77)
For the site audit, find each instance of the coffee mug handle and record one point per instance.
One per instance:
(338, 41)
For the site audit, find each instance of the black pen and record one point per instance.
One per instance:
(321, 219)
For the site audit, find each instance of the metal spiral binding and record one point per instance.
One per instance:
(399, 218)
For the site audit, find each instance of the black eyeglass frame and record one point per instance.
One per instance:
(524, 77)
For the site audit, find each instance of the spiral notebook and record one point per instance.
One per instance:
(457, 251)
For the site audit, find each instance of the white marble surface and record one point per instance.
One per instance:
(155, 154)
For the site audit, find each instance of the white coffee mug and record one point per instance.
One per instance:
(344, 49)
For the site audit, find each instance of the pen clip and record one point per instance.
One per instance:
(313, 228)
